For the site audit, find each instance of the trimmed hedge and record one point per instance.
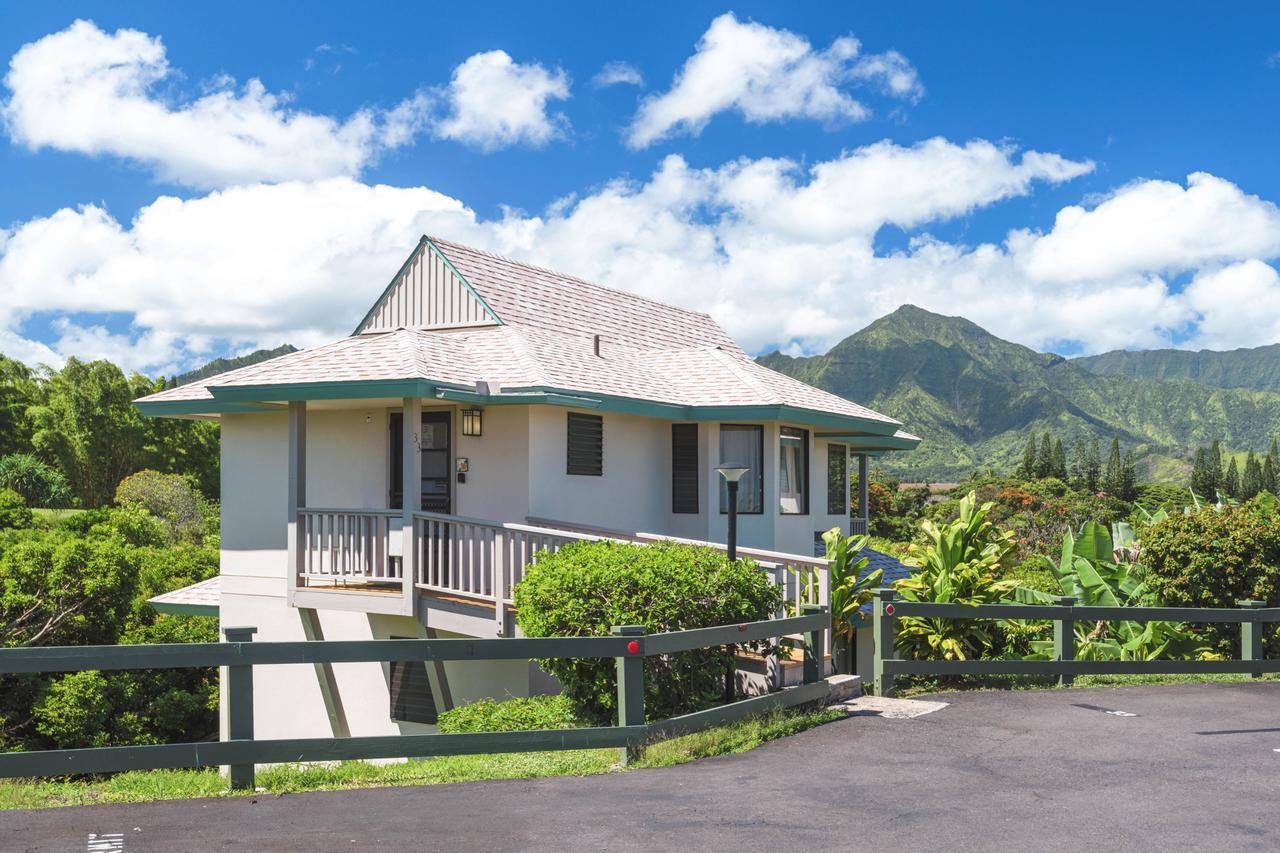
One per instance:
(588, 587)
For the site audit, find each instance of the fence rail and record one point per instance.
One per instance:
(1064, 613)
(628, 645)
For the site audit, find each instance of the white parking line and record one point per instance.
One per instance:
(107, 842)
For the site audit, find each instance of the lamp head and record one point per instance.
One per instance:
(732, 473)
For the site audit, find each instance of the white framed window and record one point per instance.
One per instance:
(793, 471)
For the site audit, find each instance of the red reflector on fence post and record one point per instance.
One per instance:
(889, 609)
(633, 647)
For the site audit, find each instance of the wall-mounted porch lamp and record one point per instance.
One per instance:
(731, 476)
(471, 421)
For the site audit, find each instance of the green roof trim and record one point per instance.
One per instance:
(863, 432)
(426, 242)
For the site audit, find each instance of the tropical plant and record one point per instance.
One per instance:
(850, 590)
(39, 484)
(959, 563)
(1089, 572)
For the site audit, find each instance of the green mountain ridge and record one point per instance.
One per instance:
(222, 365)
(974, 398)
(1257, 368)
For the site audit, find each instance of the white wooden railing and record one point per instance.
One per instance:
(483, 560)
(342, 546)
(859, 526)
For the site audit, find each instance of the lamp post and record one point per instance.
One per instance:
(732, 474)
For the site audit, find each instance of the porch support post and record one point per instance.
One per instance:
(411, 489)
(864, 492)
(297, 498)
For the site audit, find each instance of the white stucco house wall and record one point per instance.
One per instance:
(546, 409)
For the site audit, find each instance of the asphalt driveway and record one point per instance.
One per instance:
(1193, 767)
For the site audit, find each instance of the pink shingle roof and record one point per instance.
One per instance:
(649, 351)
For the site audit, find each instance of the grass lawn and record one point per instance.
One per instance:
(907, 687)
(140, 786)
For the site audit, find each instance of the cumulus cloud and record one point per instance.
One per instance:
(782, 254)
(495, 102)
(92, 92)
(617, 74)
(768, 74)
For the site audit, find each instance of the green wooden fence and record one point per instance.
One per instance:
(629, 645)
(886, 610)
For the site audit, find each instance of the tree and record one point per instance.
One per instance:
(1251, 480)
(87, 425)
(1231, 480)
(1027, 468)
(1079, 458)
(1044, 459)
(1128, 485)
(1271, 470)
(1201, 479)
(1059, 460)
(1215, 468)
(1093, 467)
(1112, 476)
(17, 394)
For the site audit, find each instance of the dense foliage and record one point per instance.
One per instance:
(587, 588)
(1214, 558)
(81, 423)
(851, 585)
(85, 580)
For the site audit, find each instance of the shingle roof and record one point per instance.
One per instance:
(649, 351)
(198, 598)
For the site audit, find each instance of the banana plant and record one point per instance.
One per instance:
(851, 587)
(1088, 572)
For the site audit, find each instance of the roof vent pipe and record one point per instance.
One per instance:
(595, 344)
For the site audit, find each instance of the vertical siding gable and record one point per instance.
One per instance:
(427, 293)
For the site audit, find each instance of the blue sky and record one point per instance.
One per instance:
(1128, 102)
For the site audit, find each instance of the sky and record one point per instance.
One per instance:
(182, 182)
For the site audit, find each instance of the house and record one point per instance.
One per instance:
(532, 409)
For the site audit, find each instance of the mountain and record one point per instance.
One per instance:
(1257, 368)
(975, 398)
(222, 365)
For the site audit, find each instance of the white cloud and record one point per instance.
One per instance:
(781, 255)
(617, 73)
(495, 102)
(92, 92)
(768, 74)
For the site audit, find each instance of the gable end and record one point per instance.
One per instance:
(428, 292)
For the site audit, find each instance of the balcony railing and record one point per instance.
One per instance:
(363, 550)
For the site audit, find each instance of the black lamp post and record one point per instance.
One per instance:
(732, 474)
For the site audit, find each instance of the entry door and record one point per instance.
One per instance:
(436, 460)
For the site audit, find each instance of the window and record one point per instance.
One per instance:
(411, 699)
(684, 468)
(793, 471)
(743, 445)
(586, 445)
(837, 479)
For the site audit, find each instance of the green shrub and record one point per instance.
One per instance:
(1214, 559)
(168, 497)
(39, 484)
(588, 587)
(13, 510)
(510, 715)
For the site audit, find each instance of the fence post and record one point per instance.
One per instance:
(1251, 634)
(814, 646)
(631, 686)
(884, 628)
(1064, 636)
(239, 686)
